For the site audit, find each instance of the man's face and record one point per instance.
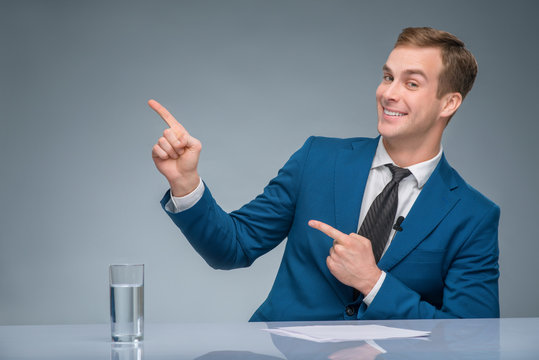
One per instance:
(408, 109)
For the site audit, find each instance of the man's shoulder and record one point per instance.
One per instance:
(470, 194)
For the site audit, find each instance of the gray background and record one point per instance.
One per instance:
(252, 80)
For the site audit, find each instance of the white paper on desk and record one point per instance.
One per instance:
(338, 333)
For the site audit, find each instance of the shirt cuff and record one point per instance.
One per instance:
(370, 296)
(182, 203)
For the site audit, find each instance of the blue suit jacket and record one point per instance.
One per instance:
(443, 264)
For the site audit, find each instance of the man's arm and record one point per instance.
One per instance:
(236, 239)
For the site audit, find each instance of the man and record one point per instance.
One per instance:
(337, 199)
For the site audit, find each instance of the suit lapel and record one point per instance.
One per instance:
(351, 172)
(432, 205)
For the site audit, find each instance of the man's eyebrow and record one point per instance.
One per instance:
(415, 72)
(419, 72)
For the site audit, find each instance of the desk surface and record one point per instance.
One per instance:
(450, 339)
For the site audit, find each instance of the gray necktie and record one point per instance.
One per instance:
(379, 219)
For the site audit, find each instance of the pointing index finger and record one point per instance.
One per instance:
(326, 229)
(165, 114)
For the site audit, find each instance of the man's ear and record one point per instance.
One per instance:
(451, 102)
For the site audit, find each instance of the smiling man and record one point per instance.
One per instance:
(377, 228)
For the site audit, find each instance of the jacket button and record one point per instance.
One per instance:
(350, 311)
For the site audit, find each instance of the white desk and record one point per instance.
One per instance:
(450, 339)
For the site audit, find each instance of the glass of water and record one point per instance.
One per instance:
(127, 302)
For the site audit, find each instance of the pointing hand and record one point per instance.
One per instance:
(350, 259)
(176, 154)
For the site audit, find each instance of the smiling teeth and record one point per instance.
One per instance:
(391, 113)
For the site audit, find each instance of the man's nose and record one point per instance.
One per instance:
(391, 92)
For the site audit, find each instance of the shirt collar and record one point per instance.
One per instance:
(421, 171)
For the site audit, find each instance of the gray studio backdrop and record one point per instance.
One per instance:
(252, 80)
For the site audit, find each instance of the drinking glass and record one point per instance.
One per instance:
(127, 302)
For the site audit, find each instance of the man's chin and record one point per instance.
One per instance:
(387, 130)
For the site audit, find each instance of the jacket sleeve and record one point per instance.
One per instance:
(470, 287)
(236, 239)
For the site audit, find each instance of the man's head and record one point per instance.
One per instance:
(460, 66)
(425, 78)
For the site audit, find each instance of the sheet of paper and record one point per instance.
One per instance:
(338, 333)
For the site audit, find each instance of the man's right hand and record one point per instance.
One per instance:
(176, 154)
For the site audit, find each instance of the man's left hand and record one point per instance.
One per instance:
(350, 259)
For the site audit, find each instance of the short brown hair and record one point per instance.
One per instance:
(460, 66)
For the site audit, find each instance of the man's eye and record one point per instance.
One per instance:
(413, 85)
(388, 78)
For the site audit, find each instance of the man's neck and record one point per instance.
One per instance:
(408, 154)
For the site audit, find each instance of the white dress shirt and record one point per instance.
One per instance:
(379, 177)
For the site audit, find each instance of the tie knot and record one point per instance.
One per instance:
(398, 173)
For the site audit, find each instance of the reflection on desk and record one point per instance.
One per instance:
(449, 339)
(126, 351)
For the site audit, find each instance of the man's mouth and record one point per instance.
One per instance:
(393, 113)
